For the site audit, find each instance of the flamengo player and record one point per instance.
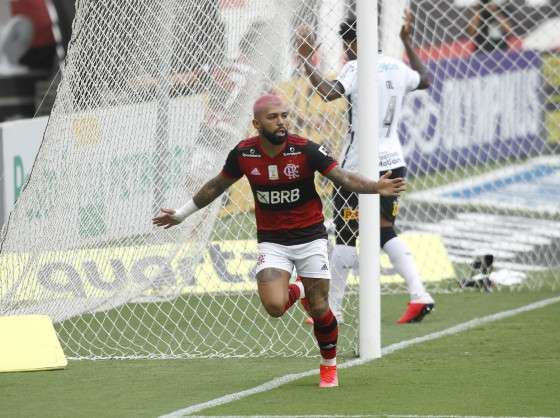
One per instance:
(394, 80)
(281, 169)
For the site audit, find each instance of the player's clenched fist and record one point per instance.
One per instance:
(305, 41)
(406, 29)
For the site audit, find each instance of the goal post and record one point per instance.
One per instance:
(154, 95)
(369, 288)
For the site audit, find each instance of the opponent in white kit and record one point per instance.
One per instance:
(394, 80)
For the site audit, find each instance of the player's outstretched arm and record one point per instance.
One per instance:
(206, 195)
(415, 62)
(328, 90)
(354, 182)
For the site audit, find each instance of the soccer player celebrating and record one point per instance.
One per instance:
(394, 80)
(281, 169)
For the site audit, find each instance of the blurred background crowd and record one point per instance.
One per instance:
(34, 37)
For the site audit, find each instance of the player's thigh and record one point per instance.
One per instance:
(345, 216)
(312, 265)
(273, 285)
(389, 208)
(274, 269)
(389, 205)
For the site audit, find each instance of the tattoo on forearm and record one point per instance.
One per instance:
(360, 184)
(352, 182)
(210, 191)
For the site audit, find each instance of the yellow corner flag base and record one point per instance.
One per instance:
(29, 342)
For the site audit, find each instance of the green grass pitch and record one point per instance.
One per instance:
(508, 367)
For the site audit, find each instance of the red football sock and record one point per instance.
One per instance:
(326, 332)
(294, 294)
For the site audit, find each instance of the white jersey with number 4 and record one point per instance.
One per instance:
(394, 80)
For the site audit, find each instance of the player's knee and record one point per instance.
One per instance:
(275, 310)
(318, 305)
(387, 233)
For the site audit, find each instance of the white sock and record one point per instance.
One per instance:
(343, 259)
(403, 262)
(328, 362)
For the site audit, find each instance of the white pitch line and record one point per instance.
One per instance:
(279, 381)
(359, 416)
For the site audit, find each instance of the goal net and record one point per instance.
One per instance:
(153, 96)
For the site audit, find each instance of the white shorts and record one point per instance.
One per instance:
(310, 259)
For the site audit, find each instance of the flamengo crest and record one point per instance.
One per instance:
(291, 171)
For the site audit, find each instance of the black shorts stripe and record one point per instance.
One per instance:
(293, 236)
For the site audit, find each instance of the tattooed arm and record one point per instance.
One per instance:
(206, 195)
(211, 190)
(354, 182)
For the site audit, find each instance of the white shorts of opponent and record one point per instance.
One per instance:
(310, 259)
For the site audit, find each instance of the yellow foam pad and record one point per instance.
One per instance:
(29, 342)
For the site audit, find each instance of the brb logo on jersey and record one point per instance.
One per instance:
(278, 197)
(291, 171)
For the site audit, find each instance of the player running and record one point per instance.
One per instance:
(280, 168)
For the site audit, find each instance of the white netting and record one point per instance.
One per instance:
(153, 96)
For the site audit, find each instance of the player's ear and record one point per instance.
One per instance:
(256, 124)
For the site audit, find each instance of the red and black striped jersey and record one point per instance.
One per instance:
(287, 207)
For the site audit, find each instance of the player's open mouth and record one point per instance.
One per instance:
(280, 132)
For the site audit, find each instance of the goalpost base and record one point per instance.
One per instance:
(29, 343)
